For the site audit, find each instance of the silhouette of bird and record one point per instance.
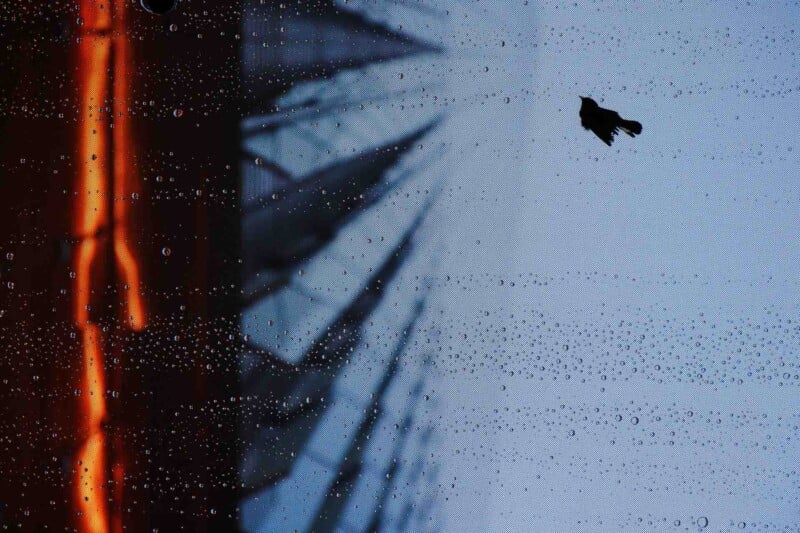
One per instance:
(605, 123)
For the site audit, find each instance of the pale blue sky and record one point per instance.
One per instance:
(695, 220)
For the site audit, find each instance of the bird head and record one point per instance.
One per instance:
(585, 100)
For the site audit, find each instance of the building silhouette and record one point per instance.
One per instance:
(338, 253)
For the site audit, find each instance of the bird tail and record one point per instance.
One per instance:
(631, 127)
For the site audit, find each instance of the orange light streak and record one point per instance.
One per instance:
(92, 141)
(130, 272)
(103, 56)
(94, 54)
(91, 476)
(124, 172)
(96, 16)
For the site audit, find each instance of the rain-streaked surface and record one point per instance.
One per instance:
(355, 266)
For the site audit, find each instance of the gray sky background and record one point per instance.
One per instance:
(670, 264)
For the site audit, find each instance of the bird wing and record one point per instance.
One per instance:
(605, 133)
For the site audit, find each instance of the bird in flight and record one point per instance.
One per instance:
(605, 123)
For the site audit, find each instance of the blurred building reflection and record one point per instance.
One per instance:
(338, 248)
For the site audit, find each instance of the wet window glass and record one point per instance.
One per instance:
(399, 265)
